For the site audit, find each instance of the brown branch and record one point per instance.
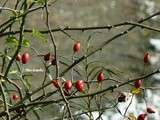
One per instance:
(86, 28)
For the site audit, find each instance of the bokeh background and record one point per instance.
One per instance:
(123, 55)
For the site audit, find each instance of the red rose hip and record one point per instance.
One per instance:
(68, 85)
(100, 77)
(76, 47)
(56, 83)
(80, 85)
(150, 110)
(122, 97)
(48, 57)
(138, 83)
(146, 58)
(25, 58)
(18, 57)
(142, 116)
(15, 97)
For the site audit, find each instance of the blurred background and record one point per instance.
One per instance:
(123, 55)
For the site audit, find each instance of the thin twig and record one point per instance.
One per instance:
(4, 99)
(128, 106)
(56, 57)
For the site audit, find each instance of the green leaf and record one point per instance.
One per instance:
(36, 114)
(27, 84)
(40, 2)
(65, 64)
(26, 43)
(38, 35)
(29, 2)
(11, 41)
(13, 72)
(96, 62)
(97, 70)
(8, 57)
(92, 71)
(110, 72)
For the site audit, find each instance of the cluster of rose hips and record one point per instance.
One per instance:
(138, 84)
(143, 116)
(123, 97)
(24, 58)
(79, 85)
(146, 59)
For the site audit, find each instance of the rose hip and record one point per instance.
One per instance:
(76, 47)
(80, 85)
(25, 58)
(100, 77)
